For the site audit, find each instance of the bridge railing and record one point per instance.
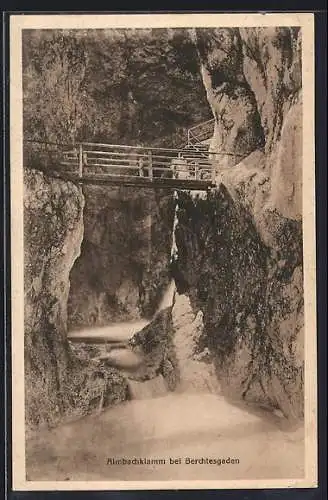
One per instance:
(201, 132)
(140, 161)
(45, 154)
(85, 160)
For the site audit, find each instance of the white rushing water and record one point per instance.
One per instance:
(115, 332)
(122, 331)
(168, 296)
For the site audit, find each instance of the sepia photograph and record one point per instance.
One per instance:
(163, 251)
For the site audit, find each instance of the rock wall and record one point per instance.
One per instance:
(194, 361)
(252, 78)
(239, 249)
(53, 231)
(58, 382)
(272, 66)
(122, 271)
(154, 343)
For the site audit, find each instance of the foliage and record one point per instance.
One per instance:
(128, 86)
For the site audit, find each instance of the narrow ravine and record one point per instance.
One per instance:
(206, 435)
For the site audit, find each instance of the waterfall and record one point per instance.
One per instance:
(197, 373)
(168, 297)
(116, 332)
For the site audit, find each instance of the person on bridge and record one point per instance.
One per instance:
(142, 170)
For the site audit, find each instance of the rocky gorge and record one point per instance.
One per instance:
(95, 256)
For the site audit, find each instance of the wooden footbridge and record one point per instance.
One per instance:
(191, 168)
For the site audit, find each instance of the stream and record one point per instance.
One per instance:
(170, 427)
(208, 437)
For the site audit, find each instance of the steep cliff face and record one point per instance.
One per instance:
(58, 383)
(252, 78)
(238, 129)
(194, 361)
(239, 250)
(155, 344)
(121, 273)
(272, 67)
(238, 266)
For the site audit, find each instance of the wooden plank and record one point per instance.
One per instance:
(80, 161)
(100, 339)
(69, 163)
(113, 160)
(129, 167)
(165, 157)
(114, 153)
(95, 147)
(146, 182)
(162, 169)
(92, 164)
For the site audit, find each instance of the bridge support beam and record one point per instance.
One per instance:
(150, 164)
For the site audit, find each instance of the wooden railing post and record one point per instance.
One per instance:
(150, 164)
(80, 161)
(196, 170)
